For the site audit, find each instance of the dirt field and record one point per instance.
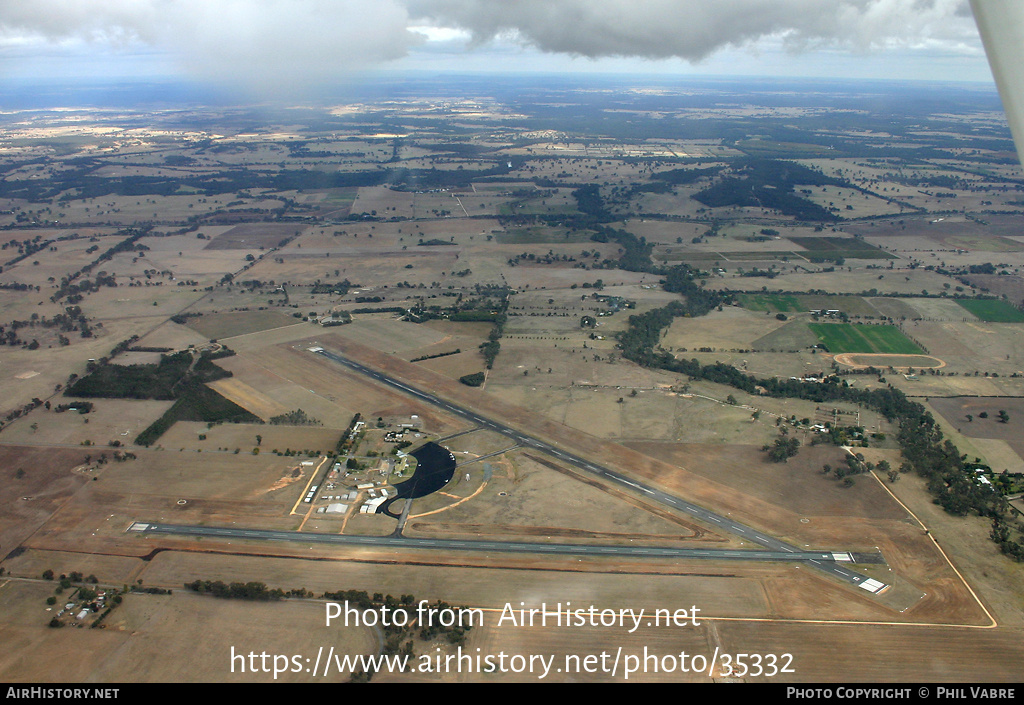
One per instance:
(36, 483)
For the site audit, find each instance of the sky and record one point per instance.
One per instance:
(272, 46)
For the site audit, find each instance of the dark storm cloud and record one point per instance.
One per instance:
(695, 29)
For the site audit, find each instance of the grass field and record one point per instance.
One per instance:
(844, 337)
(227, 325)
(802, 303)
(993, 310)
(785, 303)
(538, 235)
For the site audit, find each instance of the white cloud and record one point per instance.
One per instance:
(273, 44)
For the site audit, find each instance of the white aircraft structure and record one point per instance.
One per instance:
(1001, 23)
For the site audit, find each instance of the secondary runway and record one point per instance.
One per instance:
(774, 546)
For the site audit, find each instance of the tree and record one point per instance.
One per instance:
(474, 380)
(783, 449)
(1003, 416)
(259, 439)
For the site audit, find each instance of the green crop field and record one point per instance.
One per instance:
(992, 310)
(803, 303)
(849, 338)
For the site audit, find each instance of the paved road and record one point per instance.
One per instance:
(774, 546)
(567, 549)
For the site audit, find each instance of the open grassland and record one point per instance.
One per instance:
(729, 329)
(842, 338)
(797, 486)
(524, 499)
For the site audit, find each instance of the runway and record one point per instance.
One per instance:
(403, 543)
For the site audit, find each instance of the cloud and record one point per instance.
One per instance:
(695, 29)
(275, 44)
(282, 44)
